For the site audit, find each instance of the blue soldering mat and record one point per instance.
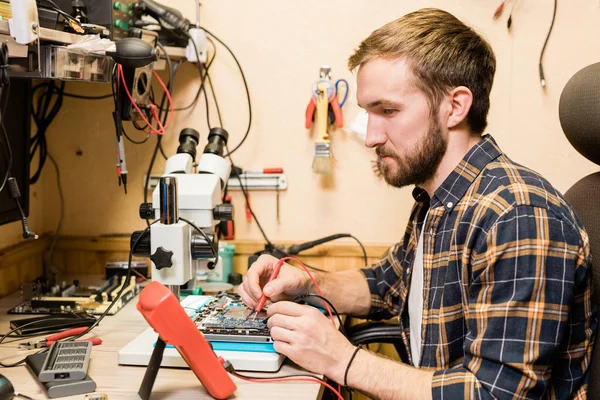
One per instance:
(225, 322)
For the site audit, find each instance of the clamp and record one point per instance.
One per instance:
(324, 84)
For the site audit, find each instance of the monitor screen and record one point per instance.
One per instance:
(17, 121)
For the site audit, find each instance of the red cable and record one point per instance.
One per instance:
(284, 259)
(308, 379)
(162, 129)
(171, 108)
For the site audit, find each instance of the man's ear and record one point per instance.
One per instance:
(460, 100)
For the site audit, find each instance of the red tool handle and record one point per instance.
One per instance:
(95, 341)
(272, 170)
(263, 298)
(337, 111)
(310, 112)
(66, 334)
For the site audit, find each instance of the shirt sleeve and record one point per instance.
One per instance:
(385, 283)
(530, 316)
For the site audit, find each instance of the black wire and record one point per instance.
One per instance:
(135, 141)
(306, 295)
(363, 250)
(161, 117)
(78, 96)
(43, 116)
(159, 137)
(212, 90)
(202, 76)
(213, 248)
(247, 200)
(9, 334)
(125, 284)
(541, 66)
(4, 94)
(147, 181)
(234, 373)
(247, 92)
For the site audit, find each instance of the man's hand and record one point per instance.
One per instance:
(308, 338)
(289, 283)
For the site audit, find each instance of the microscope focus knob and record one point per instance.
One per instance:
(223, 212)
(146, 211)
(162, 258)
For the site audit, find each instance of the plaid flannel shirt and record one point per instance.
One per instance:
(507, 311)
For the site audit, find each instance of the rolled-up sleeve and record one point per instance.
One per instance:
(530, 320)
(385, 285)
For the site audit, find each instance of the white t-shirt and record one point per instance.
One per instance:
(415, 301)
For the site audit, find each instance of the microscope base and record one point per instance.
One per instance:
(139, 350)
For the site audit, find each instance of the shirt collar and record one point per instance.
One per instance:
(460, 179)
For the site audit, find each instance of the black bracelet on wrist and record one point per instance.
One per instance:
(348, 366)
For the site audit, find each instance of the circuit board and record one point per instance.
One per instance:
(226, 318)
(66, 299)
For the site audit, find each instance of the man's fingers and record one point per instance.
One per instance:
(282, 348)
(260, 269)
(282, 335)
(247, 299)
(287, 308)
(282, 321)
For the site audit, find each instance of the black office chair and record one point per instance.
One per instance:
(579, 112)
(580, 119)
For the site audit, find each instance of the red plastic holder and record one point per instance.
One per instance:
(162, 310)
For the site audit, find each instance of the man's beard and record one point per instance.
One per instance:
(419, 166)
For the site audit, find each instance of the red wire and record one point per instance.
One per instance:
(162, 129)
(171, 108)
(308, 379)
(284, 259)
(294, 378)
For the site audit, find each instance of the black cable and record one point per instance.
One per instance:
(43, 116)
(125, 284)
(212, 90)
(147, 180)
(213, 248)
(297, 248)
(541, 66)
(161, 117)
(78, 96)
(245, 86)
(135, 141)
(4, 94)
(306, 295)
(202, 76)
(236, 374)
(247, 200)
(61, 212)
(158, 145)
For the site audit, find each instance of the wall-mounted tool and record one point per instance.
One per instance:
(325, 108)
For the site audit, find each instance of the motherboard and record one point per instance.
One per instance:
(40, 298)
(226, 318)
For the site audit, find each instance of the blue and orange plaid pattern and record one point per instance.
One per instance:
(507, 284)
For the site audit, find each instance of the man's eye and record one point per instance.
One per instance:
(388, 111)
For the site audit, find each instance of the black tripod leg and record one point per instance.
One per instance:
(152, 370)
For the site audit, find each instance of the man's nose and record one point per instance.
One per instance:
(376, 136)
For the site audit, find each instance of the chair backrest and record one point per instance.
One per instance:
(579, 112)
(584, 196)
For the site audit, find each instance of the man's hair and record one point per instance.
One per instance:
(442, 52)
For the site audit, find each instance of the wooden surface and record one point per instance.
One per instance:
(122, 382)
(82, 255)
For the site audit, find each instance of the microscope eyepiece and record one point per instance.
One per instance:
(217, 140)
(188, 141)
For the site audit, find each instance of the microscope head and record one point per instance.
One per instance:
(175, 247)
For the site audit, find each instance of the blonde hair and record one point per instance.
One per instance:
(442, 52)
